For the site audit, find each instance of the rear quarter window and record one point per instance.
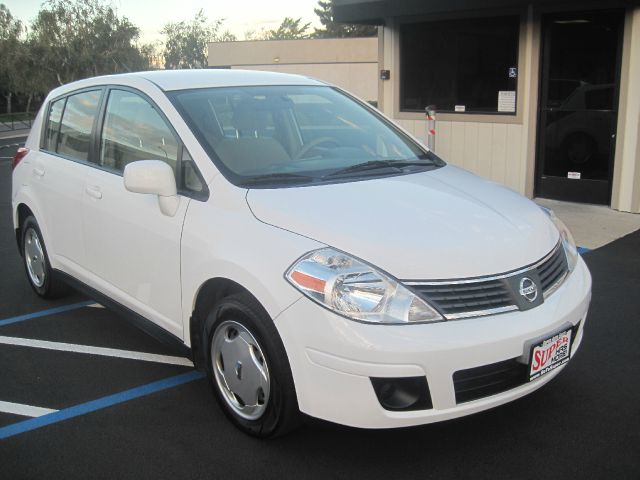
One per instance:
(78, 117)
(53, 125)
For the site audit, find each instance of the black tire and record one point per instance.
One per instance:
(51, 286)
(281, 414)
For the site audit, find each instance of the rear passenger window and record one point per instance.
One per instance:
(53, 125)
(134, 130)
(77, 121)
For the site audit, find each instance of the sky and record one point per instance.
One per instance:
(150, 16)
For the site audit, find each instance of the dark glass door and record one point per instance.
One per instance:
(578, 105)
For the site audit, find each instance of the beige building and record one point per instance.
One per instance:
(350, 63)
(541, 96)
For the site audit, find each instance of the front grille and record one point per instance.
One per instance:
(460, 298)
(475, 297)
(552, 271)
(480, 382)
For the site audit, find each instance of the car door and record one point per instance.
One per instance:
(58, 174)
(132, 248)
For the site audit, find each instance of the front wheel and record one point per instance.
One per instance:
(249, 369)
(36, 262)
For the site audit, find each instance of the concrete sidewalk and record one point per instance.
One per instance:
(593, 226)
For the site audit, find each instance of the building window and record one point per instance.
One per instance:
(467, 65)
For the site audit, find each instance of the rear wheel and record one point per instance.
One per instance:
(36, 262)
(248, 368)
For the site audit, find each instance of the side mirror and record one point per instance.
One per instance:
(155, 177)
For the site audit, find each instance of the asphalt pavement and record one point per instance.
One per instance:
(583, 424)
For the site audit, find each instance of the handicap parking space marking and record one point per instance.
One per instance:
(94, 405)
(87, 349)
(24, 410)
(44, 313)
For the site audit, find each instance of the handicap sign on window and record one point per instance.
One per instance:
(513, 72)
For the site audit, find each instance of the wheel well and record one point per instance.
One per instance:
(23, 213)
(210, 293)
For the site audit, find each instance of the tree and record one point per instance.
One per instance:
(289, 29)
(186, 42)
(73, 39)
(153, 54)
(332, 29)
(11, 31)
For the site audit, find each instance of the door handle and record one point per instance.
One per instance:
(94, 192)
(39, 171)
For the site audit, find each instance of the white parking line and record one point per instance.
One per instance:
(24, 410)
(107, 352)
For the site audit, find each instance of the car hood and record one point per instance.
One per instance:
(440, 224)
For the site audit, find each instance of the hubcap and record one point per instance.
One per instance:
(240, 370)
(34, 256)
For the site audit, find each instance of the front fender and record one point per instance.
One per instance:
(222, 239)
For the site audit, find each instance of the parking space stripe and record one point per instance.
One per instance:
(44, 313)
(90, 350)
(24, 410)
(99, 404)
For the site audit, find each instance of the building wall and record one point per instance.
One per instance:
(495, 147)
(626, 178)
(350, 63)
(503, 148)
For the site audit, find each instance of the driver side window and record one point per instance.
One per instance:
(133, 130)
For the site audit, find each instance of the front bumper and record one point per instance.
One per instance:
(332, 358)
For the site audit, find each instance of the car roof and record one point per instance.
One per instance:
(197, 78)
(201, 78)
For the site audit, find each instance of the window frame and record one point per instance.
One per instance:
(45, 123)
(96, 136)
(401, 72)
(523, 68)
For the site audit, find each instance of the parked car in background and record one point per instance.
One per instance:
(308, 253)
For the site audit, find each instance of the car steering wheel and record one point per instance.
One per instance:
(314, 143)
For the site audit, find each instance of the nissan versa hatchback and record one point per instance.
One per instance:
(306, 252)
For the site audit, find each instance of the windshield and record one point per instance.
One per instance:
(268, 136)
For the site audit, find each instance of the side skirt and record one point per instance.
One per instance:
(136, 319)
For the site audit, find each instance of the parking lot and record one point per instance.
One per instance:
(84, 394)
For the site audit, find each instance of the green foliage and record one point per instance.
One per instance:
(289, 29)
(11, 53)
(73, 39)
(333, 29)
(186, 42)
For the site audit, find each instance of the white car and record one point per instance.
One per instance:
(308, 253)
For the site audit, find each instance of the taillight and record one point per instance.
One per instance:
(20, 154)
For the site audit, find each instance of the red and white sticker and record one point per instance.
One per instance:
(550, 354)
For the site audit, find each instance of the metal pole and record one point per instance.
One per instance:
(431, 127)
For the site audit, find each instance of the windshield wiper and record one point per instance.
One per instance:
(277, 178)
(379, 164)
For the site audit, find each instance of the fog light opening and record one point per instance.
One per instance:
(402, 394)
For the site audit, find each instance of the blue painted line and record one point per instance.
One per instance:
(582, 250)
(44, 313)
(99, 404)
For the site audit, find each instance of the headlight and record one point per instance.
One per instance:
(568, 243)
(356, 290)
